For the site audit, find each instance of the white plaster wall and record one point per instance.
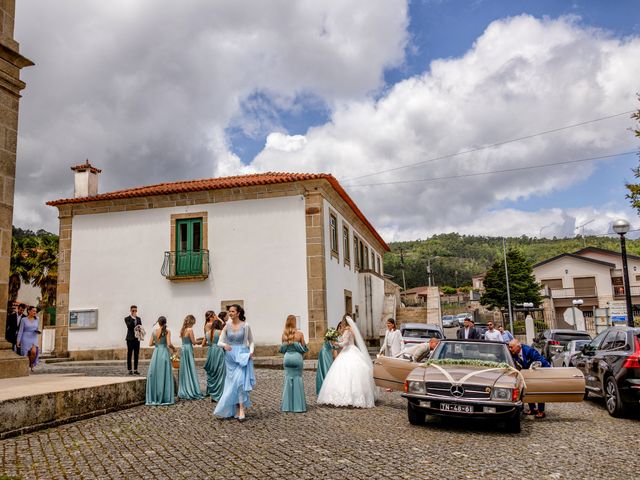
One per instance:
(632, 264)
(258, 254)
(576, 268)
(341, 277)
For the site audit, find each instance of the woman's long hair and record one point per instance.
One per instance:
(162, 321)
(208, 318)
(290, 329)
(240, 311)
(189, 321)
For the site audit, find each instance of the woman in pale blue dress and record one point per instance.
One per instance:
(160, 389)
(237, 340)
(294, 347)
(188, 385)
(28, 337)
(214, 366)
(325, 359)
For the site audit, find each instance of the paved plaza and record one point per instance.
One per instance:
(186, 441)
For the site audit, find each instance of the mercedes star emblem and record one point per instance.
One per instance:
(457, 390)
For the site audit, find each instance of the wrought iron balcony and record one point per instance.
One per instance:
(187, 264)
(573, 292)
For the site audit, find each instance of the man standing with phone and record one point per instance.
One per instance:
(133, 344)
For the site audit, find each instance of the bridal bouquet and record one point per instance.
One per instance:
(175, 359)
(139, 332)
(331, 335)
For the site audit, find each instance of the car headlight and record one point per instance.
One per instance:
(502, 394)
(417, 387)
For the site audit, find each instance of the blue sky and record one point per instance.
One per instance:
(165, 92)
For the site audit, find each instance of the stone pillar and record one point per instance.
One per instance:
(61, 345)
(11, 365)
(316, 271)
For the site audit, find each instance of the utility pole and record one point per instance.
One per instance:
(506, 272)
(404, 281)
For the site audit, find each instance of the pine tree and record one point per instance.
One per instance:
(522, 283)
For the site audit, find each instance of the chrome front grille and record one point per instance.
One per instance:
(470, 391)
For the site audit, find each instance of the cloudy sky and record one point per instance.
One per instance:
(404, 102)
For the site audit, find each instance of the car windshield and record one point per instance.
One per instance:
(565, 337)
(461, 315)
(486, 352)
(580, 343)
(448, 317)
(419, 333)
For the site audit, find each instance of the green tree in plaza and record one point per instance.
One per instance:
(19, 268)
(634, 188)
(522, 283)
(43, 267)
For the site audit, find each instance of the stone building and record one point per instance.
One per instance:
(11, 365)
(277, 243)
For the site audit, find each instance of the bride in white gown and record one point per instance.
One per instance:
(349, 382)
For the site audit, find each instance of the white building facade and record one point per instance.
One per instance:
(267, 242)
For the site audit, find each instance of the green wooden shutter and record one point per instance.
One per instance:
(189, 246)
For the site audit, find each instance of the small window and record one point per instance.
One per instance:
(346, 246)
(378, 265)
(333, 233)
(366, 258)
(356, 251)
(362, 257)
(373, 261)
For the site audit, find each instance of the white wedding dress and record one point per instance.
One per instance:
(349, 382)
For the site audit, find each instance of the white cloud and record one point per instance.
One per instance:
(523, 75)
(146, 89)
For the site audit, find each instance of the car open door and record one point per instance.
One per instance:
(391, 372)
(563, 384)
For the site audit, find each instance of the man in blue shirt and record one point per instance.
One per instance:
(523, 356)
(506, 334)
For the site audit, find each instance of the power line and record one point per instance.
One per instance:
(489, 172)
(493, 145)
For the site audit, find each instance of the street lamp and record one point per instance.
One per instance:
(621, 227)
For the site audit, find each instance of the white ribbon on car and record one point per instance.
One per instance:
(472, 374)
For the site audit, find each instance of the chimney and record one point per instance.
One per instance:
(86, 180)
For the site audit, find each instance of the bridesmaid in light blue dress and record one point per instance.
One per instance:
(28, 337)
(188, 385)
(237, 340)
(160, 390)
(293, 347)
(214, 366)
(325, 359)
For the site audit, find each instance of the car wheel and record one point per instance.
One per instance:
(612, 398)
(415, 416)
(512, 425)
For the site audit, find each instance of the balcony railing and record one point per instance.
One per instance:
(188, 263)
(573, 292)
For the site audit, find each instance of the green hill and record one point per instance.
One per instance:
(470, 255)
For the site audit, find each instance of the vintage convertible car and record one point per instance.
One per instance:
(473, 378)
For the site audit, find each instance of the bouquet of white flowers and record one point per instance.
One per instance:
(331, 335)
(139, 332)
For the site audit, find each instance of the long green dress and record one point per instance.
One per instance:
(188, 385)
(293, 399)
(214, 366)
(325, 359)
(160, 375)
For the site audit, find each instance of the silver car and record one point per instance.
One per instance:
(449, 321)
(565, 357)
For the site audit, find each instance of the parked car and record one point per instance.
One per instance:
(449, 321)
(449, 385)
(611, 366)
(461, 316)
(481, 328)
(564, 358)
(551, 341)
(415, 333)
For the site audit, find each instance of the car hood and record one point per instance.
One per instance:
(488, 376)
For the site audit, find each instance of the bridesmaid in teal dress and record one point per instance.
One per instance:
(293, 347)
(160, 374)
(214, 365)
(325, 360)
(188, 385)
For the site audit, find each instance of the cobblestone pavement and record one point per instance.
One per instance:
(186, 441)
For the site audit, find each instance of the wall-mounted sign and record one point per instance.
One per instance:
(83, 319)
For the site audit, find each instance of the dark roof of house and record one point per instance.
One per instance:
(577, 257)
(604, 251)
(223, 183)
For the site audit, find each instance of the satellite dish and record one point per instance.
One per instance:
(574, 316)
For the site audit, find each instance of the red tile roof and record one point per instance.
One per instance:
(86, 166)
(269, 178)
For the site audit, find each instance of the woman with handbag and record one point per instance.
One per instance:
(27, 341)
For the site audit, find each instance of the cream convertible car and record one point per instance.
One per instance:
(473, 378)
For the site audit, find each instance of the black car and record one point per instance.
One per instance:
(611, 367)
(551, 341)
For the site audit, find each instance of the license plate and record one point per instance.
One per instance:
(452, 407)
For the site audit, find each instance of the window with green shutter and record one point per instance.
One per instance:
(189, 246)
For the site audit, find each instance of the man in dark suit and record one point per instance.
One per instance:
(468, 331)
(13, 325)
(523, 356)
(133, 344)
